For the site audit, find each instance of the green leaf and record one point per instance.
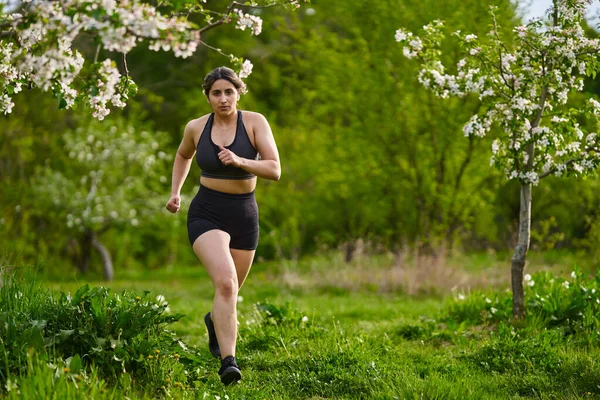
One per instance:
(62, 103)
(80, 294)
(75, 364)
(172, 318)
(98, 310)
(64, 334)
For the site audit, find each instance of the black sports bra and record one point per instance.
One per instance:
(207, 152)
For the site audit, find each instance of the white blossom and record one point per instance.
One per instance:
(252, 22)
(510, 86)
(246, 69)
(52, 64)
(401, 35)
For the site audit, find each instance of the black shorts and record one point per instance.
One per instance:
(236, 214)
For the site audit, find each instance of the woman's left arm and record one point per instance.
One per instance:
(268, 166)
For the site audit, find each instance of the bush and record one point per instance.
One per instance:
(115, 333)
(570, 306)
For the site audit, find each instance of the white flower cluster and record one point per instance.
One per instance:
(415, 45)
(96, 195)
(595, 107)
(570, 9)
(252, 22)
(520, 90)
(477, 126)
(246, 69)
(46, 59)
(108, 90)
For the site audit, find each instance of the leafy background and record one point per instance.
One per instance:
(369, 159)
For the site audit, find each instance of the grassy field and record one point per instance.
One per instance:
(380, 330)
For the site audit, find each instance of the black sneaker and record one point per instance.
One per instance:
(229, 372)
(213, 344)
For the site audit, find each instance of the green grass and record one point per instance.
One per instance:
(356, 342)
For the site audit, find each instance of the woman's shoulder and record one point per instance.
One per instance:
(199, 122)
(196, 126)
(252, 116)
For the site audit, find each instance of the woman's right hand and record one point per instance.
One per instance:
(173, 203)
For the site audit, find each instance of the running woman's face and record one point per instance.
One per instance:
(223, 97)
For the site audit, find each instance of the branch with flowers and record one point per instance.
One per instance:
(524, 90)
(36, 44)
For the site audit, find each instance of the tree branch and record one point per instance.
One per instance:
(236, 3)
(226, 18)
(97, 53)
(502, 45)
(5, 34)
(569, 162)
(125, 66)
(587, 52)
(213, 25)
(214, 48)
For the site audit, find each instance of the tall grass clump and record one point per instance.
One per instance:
(94, 330)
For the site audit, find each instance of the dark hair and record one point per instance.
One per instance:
(223, 73)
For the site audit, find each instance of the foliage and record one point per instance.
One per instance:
(367, 155)
(113, 176)
(38, 45)
(348, 172)
(569, 307)
(508, 351)
(523, 89)
(345, 348)
(94, 330)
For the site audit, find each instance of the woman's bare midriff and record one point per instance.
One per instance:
(232, 186)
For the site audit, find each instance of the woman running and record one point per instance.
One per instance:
(232, 148)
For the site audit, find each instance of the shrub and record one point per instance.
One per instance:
(570, 306)
(116, 333)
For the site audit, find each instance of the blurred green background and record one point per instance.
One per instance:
(371, 162)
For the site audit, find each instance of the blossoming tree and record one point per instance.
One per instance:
(113, 178)
(523, 85)
(37, 44)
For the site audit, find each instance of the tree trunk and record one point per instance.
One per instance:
(86, 247)
(518, 259)
(106, 260)
(349, 248)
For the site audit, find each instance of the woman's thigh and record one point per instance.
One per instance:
(243, 261)
(212, 248)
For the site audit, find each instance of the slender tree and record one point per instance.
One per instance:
(523, 83)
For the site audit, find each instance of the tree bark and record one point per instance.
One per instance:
(349, 248)
(84, 257)
(518, 259)
(107, 265)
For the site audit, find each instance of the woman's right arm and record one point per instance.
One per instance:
(181, 166)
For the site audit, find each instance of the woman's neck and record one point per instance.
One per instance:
(226, 120)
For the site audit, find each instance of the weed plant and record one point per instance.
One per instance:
(93, 330)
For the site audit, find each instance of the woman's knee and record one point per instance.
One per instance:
(226, 287)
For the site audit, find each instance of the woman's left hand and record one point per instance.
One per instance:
(228, 157)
